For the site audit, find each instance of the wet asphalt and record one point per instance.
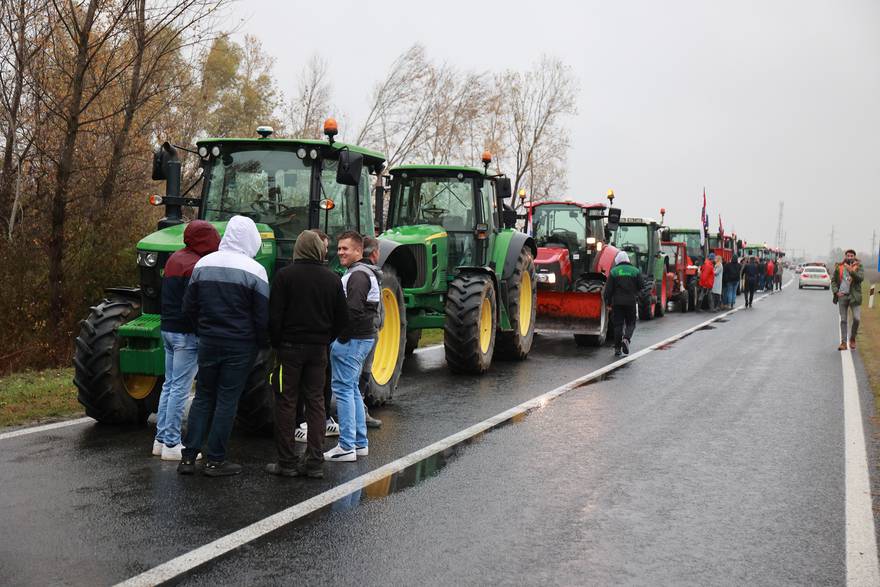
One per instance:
(716, 460)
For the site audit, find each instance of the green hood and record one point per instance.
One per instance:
(414, 234)
(170, 239)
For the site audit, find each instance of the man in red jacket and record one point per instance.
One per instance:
(771, 275)
(707, 279)
(179, 338)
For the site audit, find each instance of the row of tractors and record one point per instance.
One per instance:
(450, 254)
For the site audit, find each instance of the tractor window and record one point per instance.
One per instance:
(490, 204)
(345, 212)
(269, 186)
(560, 225)
(445, 201)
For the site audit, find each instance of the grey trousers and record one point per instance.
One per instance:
(842, 305)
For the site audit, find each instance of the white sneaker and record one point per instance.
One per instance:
(362, 451)
(332, 428)
(157, 448)
(339, 455)
(172, 453)
(300, 434)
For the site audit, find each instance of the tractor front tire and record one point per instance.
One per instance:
(390, 349)
(413, 337)
(256, 407)
(660, 310)
(469, 332)
(108, 395)
(522, 295)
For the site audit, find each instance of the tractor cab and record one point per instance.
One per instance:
(640, 239)
(691, 238)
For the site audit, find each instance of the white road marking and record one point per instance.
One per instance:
(204, 554)
(45, 428)
(428, 348)
(861, 543)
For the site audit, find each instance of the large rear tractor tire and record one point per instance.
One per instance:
(647, 303)
(108, 395)
(522, 295)
(585, 340)
(391, 346)
(660, 310)
(469, 332)
(256, 407)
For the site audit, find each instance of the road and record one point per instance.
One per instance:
(718, 458)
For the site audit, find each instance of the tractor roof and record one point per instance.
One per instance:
(686, 230)
(374, 156)
(584, 205)
(426, 169)
(633, 220)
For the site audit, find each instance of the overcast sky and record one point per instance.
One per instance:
(758, 101)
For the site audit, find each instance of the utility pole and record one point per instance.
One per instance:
(831, 250)
(873, 248)
(779, 235)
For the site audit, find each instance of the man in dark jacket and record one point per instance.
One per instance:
(228, 300)
(350, 350)
(371, 256)
(751, 275)
(730, 279)
(179, 338)
(307, 310)
(625, 282)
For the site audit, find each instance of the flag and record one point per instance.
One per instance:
(720, 229)
(704, 222)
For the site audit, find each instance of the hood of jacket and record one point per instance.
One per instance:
(309, 246)
(241, 236)
(201, 237)
(621, 257)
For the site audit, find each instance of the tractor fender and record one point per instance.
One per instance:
(517, 241)
(401, 258)
(605, 262)
(129, 293)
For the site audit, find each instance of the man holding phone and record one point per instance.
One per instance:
(846, 285)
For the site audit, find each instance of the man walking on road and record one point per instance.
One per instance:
(846, 286)
(307, 310)
(751, 274)
(707, 280)
(622, 291)
(350, 350)
(228, 300)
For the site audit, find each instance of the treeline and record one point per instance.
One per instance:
(88, 88)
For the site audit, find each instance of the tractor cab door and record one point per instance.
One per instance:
(487, 225)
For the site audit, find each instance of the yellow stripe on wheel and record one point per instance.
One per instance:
(485, 325)
(525, 304)
(388, 345)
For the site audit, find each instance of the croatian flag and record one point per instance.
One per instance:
(704, 221)
(720, 228)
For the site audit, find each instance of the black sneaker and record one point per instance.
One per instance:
(277, 469)
(618, 353)
(310, 473)
(187, 466)
(221, 469)
(624, 345)
(371, 421)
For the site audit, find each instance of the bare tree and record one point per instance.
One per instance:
(307, 109)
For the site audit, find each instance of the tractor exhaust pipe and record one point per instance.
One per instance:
(166, 166)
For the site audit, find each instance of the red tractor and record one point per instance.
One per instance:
(685, 275)
(572, 266)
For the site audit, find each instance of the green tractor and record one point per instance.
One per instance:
(285, 186)
(640, 239)
(475, 273)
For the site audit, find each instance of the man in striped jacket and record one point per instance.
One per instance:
(227, 300)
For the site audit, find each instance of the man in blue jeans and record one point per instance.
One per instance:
(178, 335)
(228, 300)
(351, 347)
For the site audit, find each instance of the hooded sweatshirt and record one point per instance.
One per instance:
(228, 294)
(625, 282)
(307, 304)
(200, 238)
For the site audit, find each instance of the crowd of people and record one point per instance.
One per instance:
(219, 311)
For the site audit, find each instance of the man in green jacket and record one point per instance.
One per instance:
(846, 284)
(625, 284)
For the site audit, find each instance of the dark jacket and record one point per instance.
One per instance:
(307, 304)
(750, 272)
(362, 285)
(857, 274)
(731, 272)
(624, 285)
(228, 294)
(200, 238)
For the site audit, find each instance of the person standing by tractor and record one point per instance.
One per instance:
(349, 351)
(762, 273)
(179, 338)
(777, 278)
(770, 278)
(228, 300)
(307, 310)
(751, 273)
(717, 283)
(707, 280)
(625, 283)
(371, 255)
(730, 280)
(846, 286)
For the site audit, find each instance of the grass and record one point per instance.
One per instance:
(869, 336)
(431, 336)
(32, 396)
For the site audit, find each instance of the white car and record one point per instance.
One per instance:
(814, 277)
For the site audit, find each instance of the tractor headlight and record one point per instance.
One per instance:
(147, 258)
(546, 277)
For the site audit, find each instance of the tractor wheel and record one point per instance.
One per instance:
(412, 340)
(108, 395)
(391, 346)
(585, 340)
(684, 301)
(692, 298)
(661, 299)
(647, 303)
(522, 298)
(469, 332)
(256, 407)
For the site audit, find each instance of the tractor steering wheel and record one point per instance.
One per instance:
(434, 213)
(269, 207)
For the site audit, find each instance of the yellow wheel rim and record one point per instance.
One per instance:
(525, 304)
(485, 325)
(139, 386)
(388, 345)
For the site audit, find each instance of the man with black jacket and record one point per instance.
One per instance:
(625, 282)
(751, 275)
(307, 310)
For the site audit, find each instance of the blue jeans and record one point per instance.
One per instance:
(223, 373)
(181, 364)
(346, 362)
(730, 294)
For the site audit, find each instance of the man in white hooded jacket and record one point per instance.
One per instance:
(227, 300)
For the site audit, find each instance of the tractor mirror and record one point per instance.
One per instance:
(502, 188)
(665, 234)
(348, 172)
(613, 218)
(163, 154)
(509, 217)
